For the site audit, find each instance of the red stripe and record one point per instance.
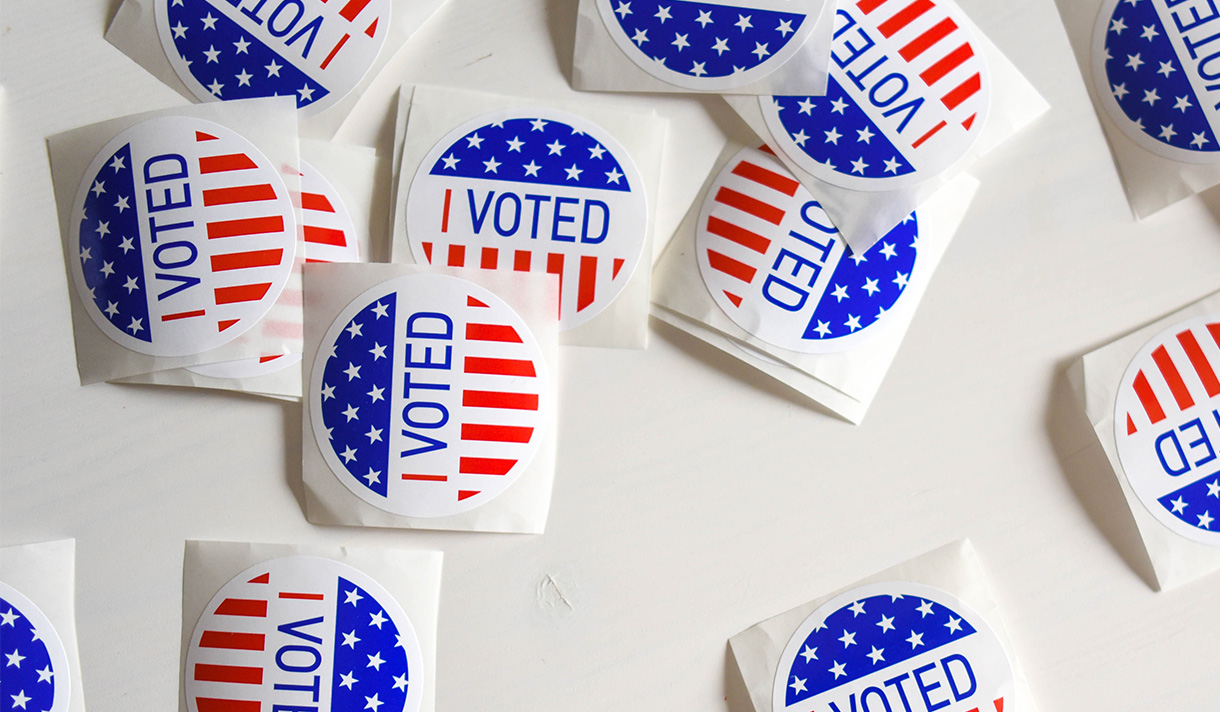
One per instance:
(245, 226)
(247, 607)
(333, 52)
(201, 136)
(316, 201)
(492, 332)
(183, 315)
(231, 641)
(472, 302)
(962, 92)
(753, 206)
(740, 235)
(951, 61)
(222, 325)
(265, 359)
(264, 578)
(1148, 399)
(618, 265)
(867, 6)
(445, 212)
(457, 255)
(426, 478)
(211, 704)
(732, 298)
(1214, 330)
(499, 366)
(225, 163)
(586, 287)
(352, 9)
(485, 466)
(496, 433)
(303, 596)
(238, 194)
(467, 494)
(904, 17)
(730, 266)
(246, 260)
(521, 261)
(229, 673)
(931, 132)
(372, 29)
(428, 251)
(1199, 361)
(1174, 379)
(325, 236)
(935, 34)
(766, 177)
(242, 293)
(490, 258)
(499, 399)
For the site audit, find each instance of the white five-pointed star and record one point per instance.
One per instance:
(823, 328)
(698, 68)
(556, 148)
(1179, 505)
(491, 165)
(14, 659)
(372, 476)
(352, 371)
(531, 168)
(45, 674)
(98, 188)
(848, 639)
(372, 703)
(915, 640)
(838, 669)
(1134, 61)
(613, 176)
(103, 229)
(800, 137)
(375, 661)
(886, 623)
(864, 135)
(853, 322)
(353, 597)
(573, 172)
(833, 136)
(760, 50)
(857, 608)
(1205, 520)
(1182, 103)
(328, 392)
(20, 699)
(380, 310)
(450, 162)
(954, 625)
(1149, 32)
(721, 46)
(273, 69)
(1199, 139)
(1117, 26)
(306, 93)
(1120, 90)
(107, 268)
(623, 9)
(596, 152)
(215, 87)
(680, 41)
(743, 21)
(400, 682)
(136, 325)
(348, 680)
(122, 203)
(1213, 488)
(663, 14)
(118, 164)
(797, 684)
(1167, 132)
(351, 412)
(806, 105)
(891, 166)
(374, 434)
(474, 141)
(1166, 69)
(837, 106)
(131, 285)
(112, 309)
(179, 30)
(350, 640)
(785, 27)
(901, 280)
(877, 655)
(209, 22)
(887, 249)
(858, 166)
(376, 619)
(212, 54)
(353, 329)
(243, 79)
(925, 609)
(376, 394)
(242, 45)
(839, 292)
(1151, 97)
(809, 653)
(86, 254)
(705, 18)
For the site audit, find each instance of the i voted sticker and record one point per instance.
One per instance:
(429, 396)
(533, 190)
(886, 647)
(710, 45)
(314, 50)
(908, 95)
(304, 633)
(34, 673)
(1156, 67)
(777, 266)
(1167, 427)
(182, 238)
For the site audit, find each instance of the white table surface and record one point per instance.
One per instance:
(694, 496)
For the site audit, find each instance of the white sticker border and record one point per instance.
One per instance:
(55, 646)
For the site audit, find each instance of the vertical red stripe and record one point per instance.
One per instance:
(1214, 330)
(227, 162)
(1174, 379)
(325, 236)
(445, 213)
(229, 673)
(586, 287)
(521, 261)
(245, 226)
(740, 235)
(333, 52)
(499, 366)
(242, 293)
(316, 201)
(618, 265)
(246, 260)
(231, 641)
(211, 704)
(496, 433)
(457, 255)
(730, 266)
(238, 194)
(753, 206)
(935, 34)
(962, 92)
(498, 399)
(1197, 359)
(428, 252)
(491, 258)
(904, 17)
(1148, 399)
(352, 9)
(247, 607)
(485, 466)
(492, 332)
(947, 64)
(372, 29)
(766, 177)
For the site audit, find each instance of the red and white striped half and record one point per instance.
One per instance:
(358, 14)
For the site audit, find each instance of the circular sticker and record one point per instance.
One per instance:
(893, 646)
(304, 633)
(428, 396)
(908, 94)
(34, 675)
(777, 266)
(533, 190)
(710, 45)
(1156, 77)
(315, 50)
(1167, 427)
(330, 236)
(183, 236)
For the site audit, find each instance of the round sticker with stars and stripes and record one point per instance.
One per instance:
(183, 237)
(710, 45)
(893, 646)
(908, 95)
(303, 633)
(533, 190)
(314, 50)
(34, 675)
(1167, 427)
(779, 269)
(429, 396)
(1156, 68)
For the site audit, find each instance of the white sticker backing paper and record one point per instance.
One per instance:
(509, 186)
(430, 398)
(736, 47)
(1153, 398)
(41, 669)
(923, 635)
(278, 626)
(758, 270)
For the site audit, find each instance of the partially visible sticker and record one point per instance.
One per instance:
(330, 236)
(35, 674)
(908, 95)
(304, 633)
(183, 237)
(1167, 427)
(777, 266)
(314, 50)
(428, 396)
(1157, 77)
(710, 45)
(533, 190)
(893, 646)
